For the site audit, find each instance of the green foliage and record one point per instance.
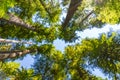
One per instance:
(44, 17)
(24, 74)
(11, 70)
(5, 5)
(111, 8)
(5, 47)
(103, 53)
(8, 68)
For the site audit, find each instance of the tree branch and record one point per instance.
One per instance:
(86, 17)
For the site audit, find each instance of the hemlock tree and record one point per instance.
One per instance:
(31, 26)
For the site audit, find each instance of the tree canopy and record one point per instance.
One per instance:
(31, 27)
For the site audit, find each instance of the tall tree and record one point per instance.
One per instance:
(31, 26)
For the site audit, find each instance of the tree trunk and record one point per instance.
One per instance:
(71, 10)
(13, 54)
(13, 41)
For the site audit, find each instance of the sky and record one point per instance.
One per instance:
(60, 45)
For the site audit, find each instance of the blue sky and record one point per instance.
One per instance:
(60, 45)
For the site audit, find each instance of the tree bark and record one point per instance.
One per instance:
(14, 41)
(13, 54)
(71, 10)
(21, 24)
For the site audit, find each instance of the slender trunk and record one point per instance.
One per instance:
(13, 54)
(21, 24)
(13, 41)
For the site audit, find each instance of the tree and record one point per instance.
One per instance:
(31, 26)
